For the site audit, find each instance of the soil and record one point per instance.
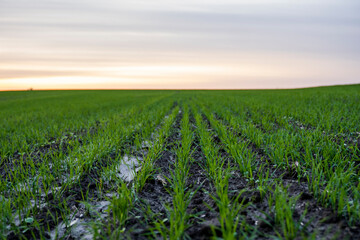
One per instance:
(316, 220)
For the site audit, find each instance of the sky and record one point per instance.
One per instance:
(188, 44)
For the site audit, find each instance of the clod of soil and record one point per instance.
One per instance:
(128, 168)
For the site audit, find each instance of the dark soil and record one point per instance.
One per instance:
(152, 201)
(83, 189)
(318, 221)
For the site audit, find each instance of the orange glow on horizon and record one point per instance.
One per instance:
(256, 71)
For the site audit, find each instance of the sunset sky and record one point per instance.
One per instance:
(108, 44)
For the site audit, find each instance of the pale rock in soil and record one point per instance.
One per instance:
(129, 166)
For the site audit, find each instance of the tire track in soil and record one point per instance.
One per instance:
(322, 220)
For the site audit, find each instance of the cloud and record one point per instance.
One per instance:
(78, 36)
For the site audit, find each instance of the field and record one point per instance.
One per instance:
(264, 164)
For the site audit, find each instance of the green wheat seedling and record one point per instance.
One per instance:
(228, 209)
(283, 208)
(237, 149)
(147, 168)
(119, 210)
(177, 214)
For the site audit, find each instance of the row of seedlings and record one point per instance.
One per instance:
(219, 172)
(314, 166)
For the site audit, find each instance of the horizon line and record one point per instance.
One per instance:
(174, 89)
